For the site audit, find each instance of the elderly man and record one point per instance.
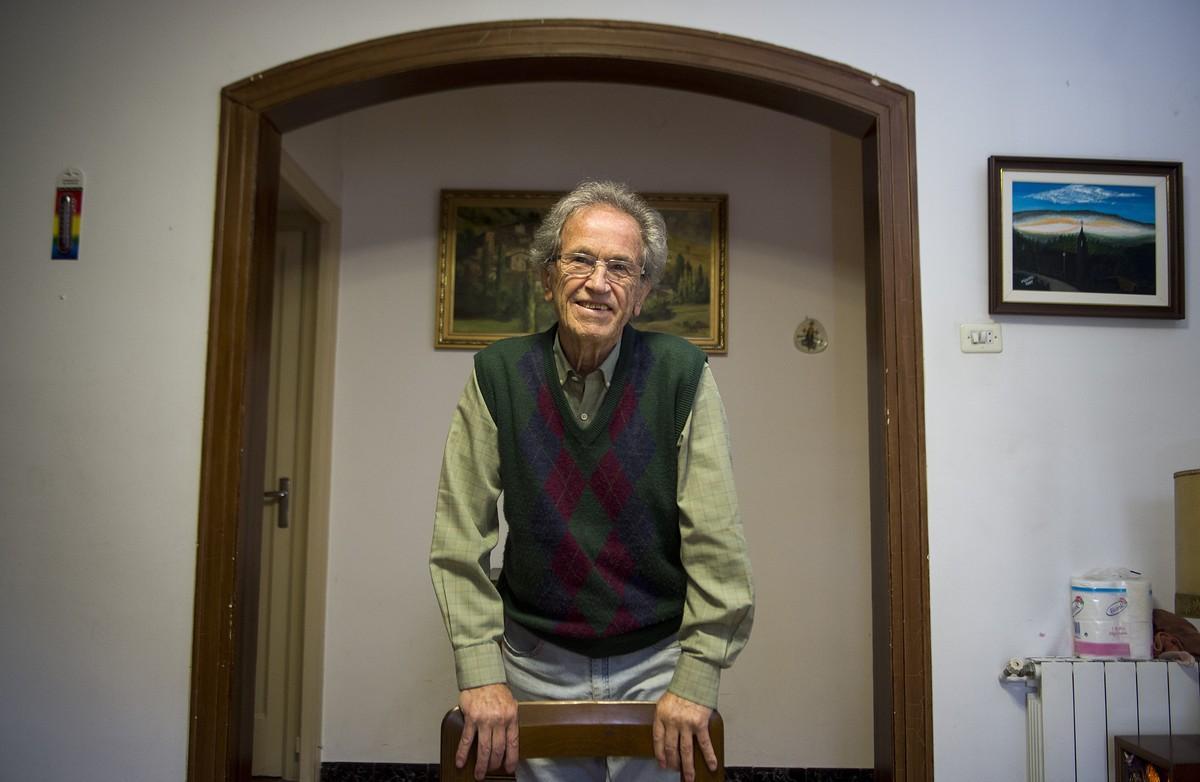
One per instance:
(625, 572)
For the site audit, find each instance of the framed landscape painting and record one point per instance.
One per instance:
(1085, 237)
(489, 288)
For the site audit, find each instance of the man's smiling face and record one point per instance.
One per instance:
(593, 310)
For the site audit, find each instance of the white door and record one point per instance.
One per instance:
(279, 659)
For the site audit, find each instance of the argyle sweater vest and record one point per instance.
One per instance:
(592, 560)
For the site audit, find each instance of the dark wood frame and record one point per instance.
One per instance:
(1066, 303)
(256, 110)
(446, 336)
(1175, 757)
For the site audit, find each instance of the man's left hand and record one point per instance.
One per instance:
(678, 724)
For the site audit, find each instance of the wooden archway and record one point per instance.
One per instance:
(256, 110)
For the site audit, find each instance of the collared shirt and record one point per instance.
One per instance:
(585, 393)
(719, 603)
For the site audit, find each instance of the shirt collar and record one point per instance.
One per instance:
(607, 367)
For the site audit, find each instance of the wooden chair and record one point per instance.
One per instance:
(573, 729)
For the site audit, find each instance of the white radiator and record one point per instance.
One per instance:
(1075, 707)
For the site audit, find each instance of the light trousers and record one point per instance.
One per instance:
(541, 671)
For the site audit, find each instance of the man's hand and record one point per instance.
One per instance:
(489, 712)
(678, 723)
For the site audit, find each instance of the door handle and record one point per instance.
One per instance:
(283, 498)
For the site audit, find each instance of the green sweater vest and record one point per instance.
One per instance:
(592, 558)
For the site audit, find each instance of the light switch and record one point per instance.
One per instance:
(980, 338)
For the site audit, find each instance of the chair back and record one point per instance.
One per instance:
(576, 729)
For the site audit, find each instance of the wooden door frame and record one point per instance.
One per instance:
(257, 110)
(327, 217)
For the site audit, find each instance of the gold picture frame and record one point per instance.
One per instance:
(488, 288)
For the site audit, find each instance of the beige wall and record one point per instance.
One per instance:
(797, 420)
(1047, 459)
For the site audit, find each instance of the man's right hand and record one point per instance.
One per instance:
(489, 713)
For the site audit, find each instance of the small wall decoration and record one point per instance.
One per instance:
(68, 215)
(810, 336)
(488, 287)
(1085, 237)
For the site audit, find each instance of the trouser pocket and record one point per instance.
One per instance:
(520, 642)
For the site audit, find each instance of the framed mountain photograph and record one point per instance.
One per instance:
(1085, 237)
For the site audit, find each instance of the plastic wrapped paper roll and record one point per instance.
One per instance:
(1112, 615)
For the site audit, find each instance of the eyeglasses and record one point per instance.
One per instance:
(583, 265)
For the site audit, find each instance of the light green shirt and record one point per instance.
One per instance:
(584, 393)
(718, 606)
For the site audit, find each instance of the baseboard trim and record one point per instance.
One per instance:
(428, 772)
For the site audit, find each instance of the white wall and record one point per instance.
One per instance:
(317, 150)
(1038, 465)
(798, 421)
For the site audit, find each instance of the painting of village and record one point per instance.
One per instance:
(489, 288)
(1087, 238)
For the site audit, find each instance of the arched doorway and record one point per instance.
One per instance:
(254, 113)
